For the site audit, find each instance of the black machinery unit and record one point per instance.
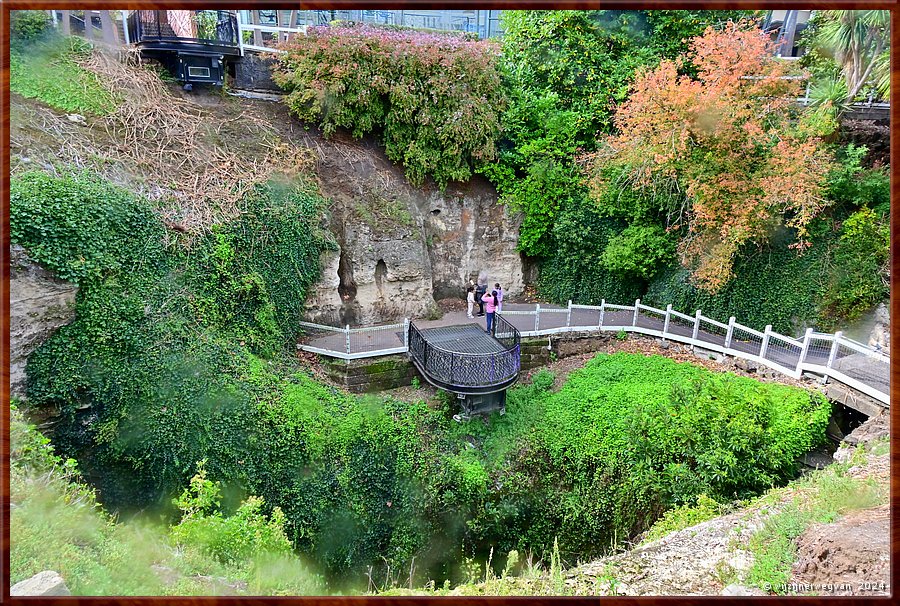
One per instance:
(200, 67)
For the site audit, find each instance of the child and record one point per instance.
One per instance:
(499, 296)
(470, 299)
(490, 303)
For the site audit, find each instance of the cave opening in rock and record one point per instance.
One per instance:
(380, 276)
(346, 286)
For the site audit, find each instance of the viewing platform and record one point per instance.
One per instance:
(465, 359)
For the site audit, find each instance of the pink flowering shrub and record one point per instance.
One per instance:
(435, 99)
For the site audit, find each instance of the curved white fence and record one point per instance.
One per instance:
(858, 366)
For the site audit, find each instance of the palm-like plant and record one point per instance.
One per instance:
(881, 74)
(857, 40)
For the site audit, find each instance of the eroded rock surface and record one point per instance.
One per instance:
(39, 303)
(404, 247)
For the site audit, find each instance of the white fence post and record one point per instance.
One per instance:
(668, 314)
(602, 307)
(406, 333)
(240, 32)
(730, 332)
(569, 315)
(347, 333)
(803, 352)
(637, 306)
(832, 354)
(696, 327)
(834, 347)
(765, 341)
(537, 317)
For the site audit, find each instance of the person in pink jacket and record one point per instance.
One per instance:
(490, 307)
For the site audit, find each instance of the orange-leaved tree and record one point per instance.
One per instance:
(734, 154)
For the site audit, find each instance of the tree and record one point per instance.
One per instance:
(724, 147)
(565, 72)
(859, 42)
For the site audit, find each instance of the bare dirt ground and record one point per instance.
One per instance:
(848, 557)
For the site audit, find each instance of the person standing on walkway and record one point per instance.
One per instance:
(480, 292)
(499, 291)
(470, 300)
(491, 303)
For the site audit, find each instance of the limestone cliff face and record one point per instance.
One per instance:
(38, 305)
(403, 247)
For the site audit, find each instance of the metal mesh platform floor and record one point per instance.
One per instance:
(463, 338)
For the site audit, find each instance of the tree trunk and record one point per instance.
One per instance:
(291, 24)
(66, 23)
(257, 35)
(88, 26)
(110, 31)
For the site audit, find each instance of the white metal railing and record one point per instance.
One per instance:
(353, 343)
(834, 356)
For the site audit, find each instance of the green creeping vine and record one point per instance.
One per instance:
(170, 362)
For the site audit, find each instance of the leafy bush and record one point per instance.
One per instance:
(435, 99)
(82, 229)
(231, 539)
(859, 276)
(28, 26)
(851, 186)
(155, 316)
(50, 72)
(638, 250)
(628, 437)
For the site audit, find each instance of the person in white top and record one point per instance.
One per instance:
(470, 299)
(499, 296)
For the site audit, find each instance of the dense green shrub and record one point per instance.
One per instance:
(628, 437)
(82, 229)
(575, 268)
(27, 26)
(230, 539)
(161, 335)
(639, 250)
(851, 186)
(858, 279)
(435, 99)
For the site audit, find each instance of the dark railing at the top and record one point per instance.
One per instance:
(210, 27)
(467, 370)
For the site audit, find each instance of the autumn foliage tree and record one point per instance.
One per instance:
(724, 158)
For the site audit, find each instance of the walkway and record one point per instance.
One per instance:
(857, 366)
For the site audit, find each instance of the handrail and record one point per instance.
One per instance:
(222, 29)
(464, 370)
(789, 356)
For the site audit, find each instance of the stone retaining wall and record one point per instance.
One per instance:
(371, 374)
